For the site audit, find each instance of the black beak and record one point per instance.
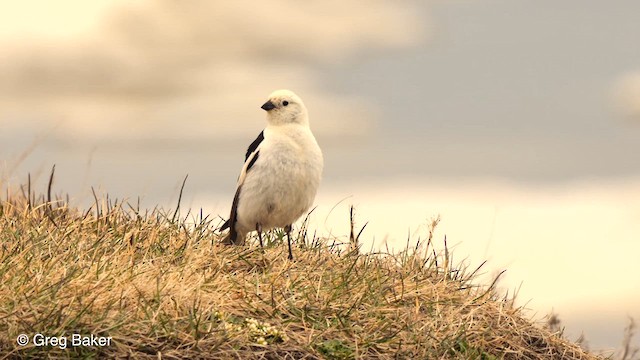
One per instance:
(268, 106)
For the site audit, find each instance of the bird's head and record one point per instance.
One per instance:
(285, 107)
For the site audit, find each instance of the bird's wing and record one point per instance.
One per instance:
(254, 145)
(250, 159)
(231, 222)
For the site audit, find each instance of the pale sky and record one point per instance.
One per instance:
(62, 20)
(517, 122)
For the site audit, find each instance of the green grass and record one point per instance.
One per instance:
(159, 284)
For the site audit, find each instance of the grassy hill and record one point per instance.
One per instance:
(156, 285)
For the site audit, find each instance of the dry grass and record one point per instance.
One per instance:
(161, 287)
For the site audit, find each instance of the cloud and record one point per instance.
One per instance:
(200, 68)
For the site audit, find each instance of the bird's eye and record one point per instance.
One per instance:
(285, 103)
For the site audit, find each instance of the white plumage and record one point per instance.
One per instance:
(281, 173)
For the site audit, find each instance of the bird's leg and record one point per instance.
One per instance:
(259, 230)
(288, 231)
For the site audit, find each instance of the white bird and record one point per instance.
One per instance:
(280, 175)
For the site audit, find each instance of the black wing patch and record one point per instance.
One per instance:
(233, 218)
(225, 225)
(254, 145)
(253, 160)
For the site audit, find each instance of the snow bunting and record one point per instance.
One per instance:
(281, 172)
